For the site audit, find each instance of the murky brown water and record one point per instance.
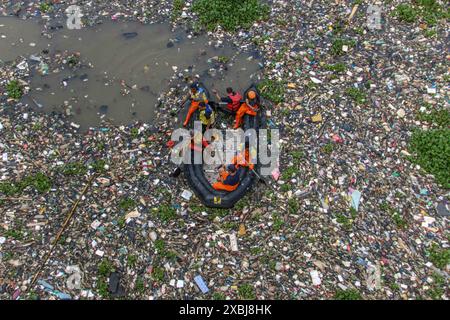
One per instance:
(142, 63)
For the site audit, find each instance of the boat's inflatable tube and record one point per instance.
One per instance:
(202, 187)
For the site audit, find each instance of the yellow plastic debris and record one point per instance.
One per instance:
(317, 118)
(242, 230)
(292, 85)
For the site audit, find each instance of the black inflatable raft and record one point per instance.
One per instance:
(197, 180)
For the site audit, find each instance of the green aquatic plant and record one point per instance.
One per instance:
(166, 213)
(230, 14)
(338, 44)
(158, 274)
(272, 90)
(358, 95)
(406, 12)
(40, 182)
(45, 7)
(437, 287)
(348, 294)
(14, 90)
(428, 11)
(105, 268)
(437, 116)
(246, 292)
(127, 204)
(99, 166)
(439, 257)
(178, 6)
(430, 150)
(337, 68)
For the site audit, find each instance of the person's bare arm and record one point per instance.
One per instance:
(249, 105)
(217, 95)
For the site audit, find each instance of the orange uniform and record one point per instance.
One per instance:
(196, 98)
(244, 109)
(226, 178)
(240, 161)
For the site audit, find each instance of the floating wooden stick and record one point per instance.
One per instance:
(16, 199)
(355, 8)
(63, 228)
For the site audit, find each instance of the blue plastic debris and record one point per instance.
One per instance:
(356, 197)
(46, 285)
(50, 289)
(201, 284)
(362, 262)
(62, 295)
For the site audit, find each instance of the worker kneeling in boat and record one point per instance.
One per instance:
(228, 179)
(243, 160)
(207, 116)
(250, 107)
(196, 96)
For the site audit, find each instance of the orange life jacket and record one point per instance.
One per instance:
(240, 161)
(225, 187)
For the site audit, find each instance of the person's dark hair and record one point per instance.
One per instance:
(231, 168)
(230, 90)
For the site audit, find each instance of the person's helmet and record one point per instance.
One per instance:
(194, 86)
(231, 168)
(251, 95)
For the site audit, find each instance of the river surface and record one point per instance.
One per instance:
(121, 68)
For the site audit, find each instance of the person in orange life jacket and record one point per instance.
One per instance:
(233, 100)
(243, 160)
(250, 107)
(229, 179)
(196, 96)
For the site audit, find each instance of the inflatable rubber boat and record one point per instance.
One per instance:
(195, 173)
